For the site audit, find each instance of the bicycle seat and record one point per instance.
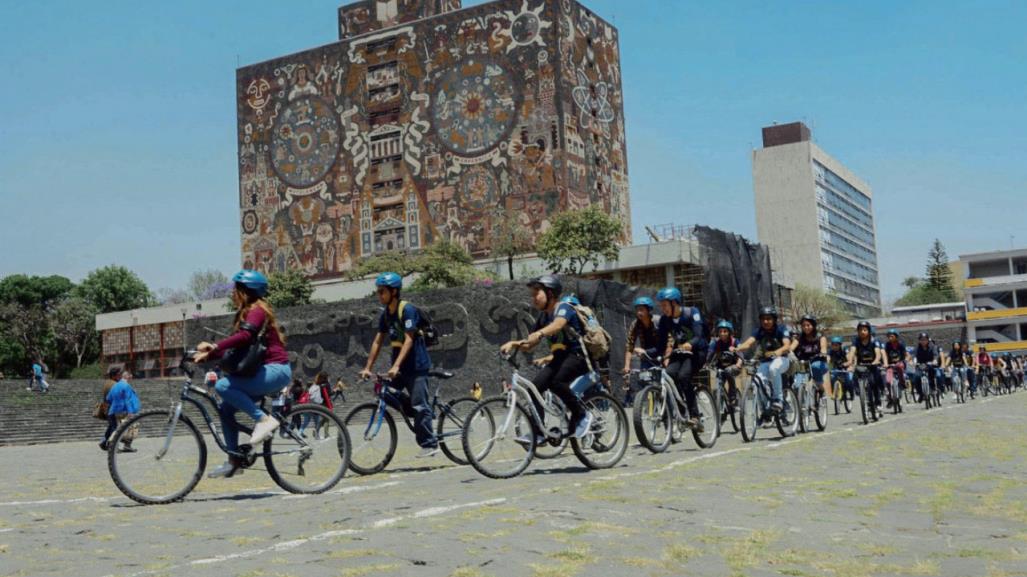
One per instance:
(440, 374)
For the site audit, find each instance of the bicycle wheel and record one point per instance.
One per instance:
(502, 446)
(805, 410)
(312, 465)
(732, 409)
(788, 419)
(552, 449)
(820, 408)
(925, 392)
(450, 427)
(607, 439)
(373, 433)
(749, 413)
(708, 431)
(167, 462)
(653, 419)
(864, 402)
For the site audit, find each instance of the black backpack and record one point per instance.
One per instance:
(425, 329)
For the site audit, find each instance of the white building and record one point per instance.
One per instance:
(817, 218)
(996, 299)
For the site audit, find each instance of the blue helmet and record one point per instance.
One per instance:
(389, 279)
(893, 332)
(669, 294)
(726, 324)
(645, 302)
(836, 340)
(254, 281)
(571, 299)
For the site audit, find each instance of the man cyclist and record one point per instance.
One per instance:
(956, 360)
(896, 356)
(926, 354)
(410, 360)
(867, 352)
(774, 342)
(721, 355)
(681, 332)
(559, 324)
(643, 341)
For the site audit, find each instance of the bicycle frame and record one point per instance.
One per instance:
(388, 396)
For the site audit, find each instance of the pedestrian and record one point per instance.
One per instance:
(339, 391)
(103, 409)
(122, 404)
(313, 395)
(476, 391)
(297, 395)
(39, 370)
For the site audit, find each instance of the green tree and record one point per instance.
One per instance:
(828, 310)
(509, 237)
(74, 327)
(208, 284)
(446, 264)
(170, 296)
(923, 294)
(288, 289)
(939, 275)
(579, 238)
(34, 290)
(402, 263)
(115, 288)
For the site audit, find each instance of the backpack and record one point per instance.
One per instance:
(425, 329)
(596, 340)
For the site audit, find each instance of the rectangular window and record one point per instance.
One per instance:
(382, 75)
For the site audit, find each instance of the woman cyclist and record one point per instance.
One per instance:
(253, 315)
(811, 346)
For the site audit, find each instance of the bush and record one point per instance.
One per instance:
(93, 371)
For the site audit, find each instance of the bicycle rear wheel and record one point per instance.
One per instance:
(372, 431)
(502, 446)
(166, 463)
(312, 465)
(607, 439)
(708, 431)
(652, 419)
(820, 408)
(450, 428)
(788, 419)
(864, 402)
(749, 413)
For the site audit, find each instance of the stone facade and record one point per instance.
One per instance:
(412, 129)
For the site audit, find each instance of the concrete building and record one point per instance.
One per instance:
(427, 121)
(817, 218)
(996, 299)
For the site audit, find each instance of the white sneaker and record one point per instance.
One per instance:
(427, 452)
(583, 426)
(263, 429)
(226, 469)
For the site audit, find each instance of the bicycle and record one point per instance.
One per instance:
(959, 383)
(659, 406)
(503, 432)
(727, 402)
(812, 401)
(373, 427)
(841, 393)
(756, 409)
(894, 392)
(869, 395)
(172, 452)
(926, 392)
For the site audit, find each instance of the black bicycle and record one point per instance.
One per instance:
(171, 452)
(373, 427)
(869, 394)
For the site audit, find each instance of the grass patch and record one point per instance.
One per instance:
(369, 570)
(467, 572)
(354, 553)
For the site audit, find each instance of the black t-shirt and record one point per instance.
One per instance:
(895, 352)
(927, 354)
(809, 347)
(957, 358)
(837, 357)
(770, 341)
(866, 352)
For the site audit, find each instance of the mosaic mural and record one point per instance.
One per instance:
(409, 130)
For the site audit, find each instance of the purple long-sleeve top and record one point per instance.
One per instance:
(276, 353)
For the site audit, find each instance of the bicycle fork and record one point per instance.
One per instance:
(176, 413)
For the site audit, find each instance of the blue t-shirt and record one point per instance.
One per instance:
(772, 340)
(569, 339)
(37, 369)
(686, 328)
(122, 399)
(417, 362)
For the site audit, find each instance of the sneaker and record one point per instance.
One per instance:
(263, 429)
(127, 449)
(776, 407)
(104, 445)
(583, 426)
(427, 452)
(226, 470)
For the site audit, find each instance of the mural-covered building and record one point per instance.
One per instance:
(427, 121)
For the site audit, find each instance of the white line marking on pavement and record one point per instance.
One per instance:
(288, 545)
(55, 501)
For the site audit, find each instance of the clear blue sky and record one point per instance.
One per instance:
(117, 119)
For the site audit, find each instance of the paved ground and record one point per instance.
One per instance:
(938, 493)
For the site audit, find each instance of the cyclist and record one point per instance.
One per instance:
(926, 354)
(982, 365)
(558, 322)
(838, 358)
(726, 343)
(811, 346)
(682, 333)
(896, 356)
(253, 315)
(867, 352)
(774, 342)
(956, 359)
(410, 361)
(643, 339)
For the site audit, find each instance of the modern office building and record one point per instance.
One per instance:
(427, 121)
(817, 218)
(996, 299)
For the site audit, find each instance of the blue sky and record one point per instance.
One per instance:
(117, 120)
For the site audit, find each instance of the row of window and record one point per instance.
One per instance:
(824, 174)
(837, 202)
(827, 216)
(842, 243)
(839, 263)
(853, 289)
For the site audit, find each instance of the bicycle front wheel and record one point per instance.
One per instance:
(707, 431)
(805, 410)
(373, 432)
(749, 413)
(653, 419)
(153, 462)
(788, 419)
(499, 439)
(450, 428)
(820, 408)
(607, 440)
(308, 465)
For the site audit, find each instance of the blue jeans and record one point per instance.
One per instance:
(819, 369)
(242, 393)
(420, 405)
(772, 371)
